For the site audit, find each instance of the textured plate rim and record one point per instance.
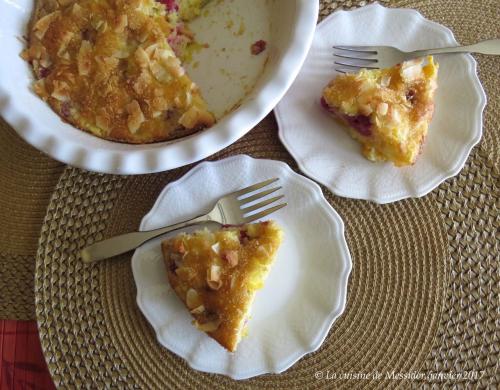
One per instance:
(475, 134)
(344, 259)
(130, 160)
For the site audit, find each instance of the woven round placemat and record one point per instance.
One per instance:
(27, 180)
(422, 296)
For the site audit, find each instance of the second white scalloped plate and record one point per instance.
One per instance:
(304, 293)
(325, 151)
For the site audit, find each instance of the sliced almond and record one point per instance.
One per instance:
(159, 72)
(213, 277)
(216, 248)
(40, 90)
(382, 108)
(385, 81)
(231, 257)
(135, 116)
(142, 82)
(198, 310)
(210, 326)
(411, 70)
(365, 109)
(64, 42)
(173, 65)
(84, 58)
(141, 57)
(41, 27)
(60, 91)
(395, 116)
(77, 10)
(121, 24)
(193, 299)
(195, 117)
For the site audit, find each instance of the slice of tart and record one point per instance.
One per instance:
(387, 110)
(216, 275)
(107, 67)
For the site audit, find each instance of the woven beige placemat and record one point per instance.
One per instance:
(27, 180)
(422, 297)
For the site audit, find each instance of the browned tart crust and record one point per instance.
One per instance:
(106, 67)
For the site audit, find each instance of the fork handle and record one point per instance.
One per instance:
(491, 46)
(126, 242)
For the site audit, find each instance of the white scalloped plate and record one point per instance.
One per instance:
(304, 293)
(325, 151)
(253, 84)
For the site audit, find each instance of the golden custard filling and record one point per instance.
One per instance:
(387, 110)
(109, 67)
(216, 275)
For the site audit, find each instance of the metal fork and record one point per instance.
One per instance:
(353, 58)
(232, 209)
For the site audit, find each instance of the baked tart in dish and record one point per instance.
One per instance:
(387, 110)
(110, 67)
(217, 274)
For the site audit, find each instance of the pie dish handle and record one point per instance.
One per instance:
(124, 243)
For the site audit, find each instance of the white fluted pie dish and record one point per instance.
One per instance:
(245, 90)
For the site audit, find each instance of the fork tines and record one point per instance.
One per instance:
(253, 212)
(354, 58)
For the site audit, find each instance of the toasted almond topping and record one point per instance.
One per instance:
(231, 257)
(162, 54)
(195, 117)
(84, 59)
(135, 116)
(64, 3)
(213, 277)
(411, 70)
(65, 40)
(77, 10)
(159, 72)
(41, 27)
(173, 65)
(192, 299)
(60, 91)
(142, 83)
(151, 49)
(385, 81)
(121, 24)
(45, 61)
(216, 247)
(396, 117)
(382, 108)
(210, 326)
(40, 90)
(198, 310)
(141, 57)
(103, 26)
(96, 23)
(365, 109)
(233, 281)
